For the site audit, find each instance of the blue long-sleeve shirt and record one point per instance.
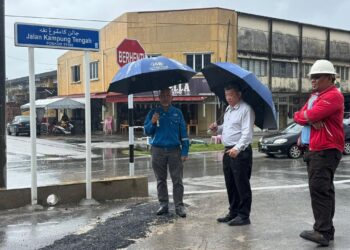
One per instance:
(171, 131)
(306, 130)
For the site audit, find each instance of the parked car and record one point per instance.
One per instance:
(20, 125)
(347, 140)
(285, 142)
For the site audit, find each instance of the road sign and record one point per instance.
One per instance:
(53, 37)
(45, 36)
(129, 51)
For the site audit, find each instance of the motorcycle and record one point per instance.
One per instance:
(65, 128)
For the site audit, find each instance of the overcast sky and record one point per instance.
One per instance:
(334, 14)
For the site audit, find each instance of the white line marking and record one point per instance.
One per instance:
(260, 188)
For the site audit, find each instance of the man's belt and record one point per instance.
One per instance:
(167, 148)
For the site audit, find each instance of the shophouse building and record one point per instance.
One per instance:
(17, 91)
(279, 52)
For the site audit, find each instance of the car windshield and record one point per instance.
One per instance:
(293, 128)
(23, 118)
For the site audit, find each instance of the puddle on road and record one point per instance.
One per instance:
(110, 152)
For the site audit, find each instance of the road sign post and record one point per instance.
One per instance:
(129, 51)
(54, 37)
(3, 160)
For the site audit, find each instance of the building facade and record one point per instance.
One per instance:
(17, 91)
(279, 52)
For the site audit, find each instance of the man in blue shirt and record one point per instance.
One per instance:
(170, 145)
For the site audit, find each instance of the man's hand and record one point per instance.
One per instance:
(318, 125)
(155, 118)
(184, 158)
(213, 127)
(232, 152)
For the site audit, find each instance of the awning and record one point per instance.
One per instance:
(124, 99)
(101, 95)
(57, 103)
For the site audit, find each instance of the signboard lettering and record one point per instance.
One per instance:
(32, 35)
(129, 51)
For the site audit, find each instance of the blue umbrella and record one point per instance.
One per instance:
(257, 95)
(150, 74)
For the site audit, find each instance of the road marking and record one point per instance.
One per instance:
(261, 188)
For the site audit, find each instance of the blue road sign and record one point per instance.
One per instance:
(33, 35)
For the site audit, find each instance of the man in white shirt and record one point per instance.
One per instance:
(237, 135)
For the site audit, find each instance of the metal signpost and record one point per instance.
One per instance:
(129, 51)
(68, 38)
(3, 160)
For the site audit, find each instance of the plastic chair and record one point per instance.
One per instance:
(216, 138)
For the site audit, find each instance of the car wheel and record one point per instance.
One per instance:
(347, 148)
(16, 133)
(294, 152)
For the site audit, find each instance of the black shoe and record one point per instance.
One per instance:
(227, 218)
(315, 237)
(311, 231)
(180, 211)
(238, 221)
(162, 210)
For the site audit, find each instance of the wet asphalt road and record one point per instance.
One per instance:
(281, 207)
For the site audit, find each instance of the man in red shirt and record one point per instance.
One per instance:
(325, 148)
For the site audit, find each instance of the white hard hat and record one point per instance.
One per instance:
(322, 67)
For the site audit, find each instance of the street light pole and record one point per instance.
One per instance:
(2, 97)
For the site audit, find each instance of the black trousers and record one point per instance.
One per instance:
(321, 166)
(237, 172)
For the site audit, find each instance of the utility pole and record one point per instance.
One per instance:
(228, 38)
(2, 97)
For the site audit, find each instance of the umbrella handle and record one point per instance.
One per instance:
(220, 118)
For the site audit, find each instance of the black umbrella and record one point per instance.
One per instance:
(150, 74)
(257, 95)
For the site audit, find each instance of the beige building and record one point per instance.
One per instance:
(279, 52)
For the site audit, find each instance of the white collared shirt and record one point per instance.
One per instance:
(238, 125)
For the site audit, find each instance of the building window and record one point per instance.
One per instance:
(94, 70)
(285, 69)
(306, 69)
(258, 67)
(198, 61)
(152, 55)
(343, 72)
(75, 73)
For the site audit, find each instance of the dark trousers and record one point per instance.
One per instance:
(237, 172)
(321, 166)
(161, 159)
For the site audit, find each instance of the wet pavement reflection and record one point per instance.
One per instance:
(113, 162)
(280, 209)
